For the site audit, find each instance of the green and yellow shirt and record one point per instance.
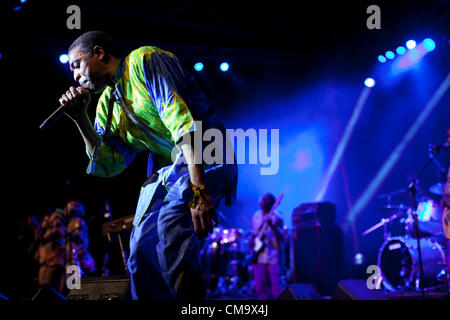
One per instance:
(155, 103)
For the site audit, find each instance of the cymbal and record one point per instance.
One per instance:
(392, 193)
(437, 189)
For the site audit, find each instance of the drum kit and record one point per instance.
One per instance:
(400, 258)
(412, 256)
(225, 257)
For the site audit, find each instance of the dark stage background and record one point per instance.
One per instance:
(294, 66)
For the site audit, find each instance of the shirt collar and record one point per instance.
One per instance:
(119, 70)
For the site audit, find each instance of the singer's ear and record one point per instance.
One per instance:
(100, 52)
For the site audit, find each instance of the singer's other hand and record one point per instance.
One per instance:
(78, 107)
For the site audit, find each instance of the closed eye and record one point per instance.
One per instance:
(75, 64)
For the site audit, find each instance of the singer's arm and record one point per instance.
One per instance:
(78, 113)
(107, 158)
(90, 136)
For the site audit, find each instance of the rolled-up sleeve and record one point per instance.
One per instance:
(166, 83)
(110, 156)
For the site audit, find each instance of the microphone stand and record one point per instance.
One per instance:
(412, 190)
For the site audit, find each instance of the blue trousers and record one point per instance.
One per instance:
(164, 262)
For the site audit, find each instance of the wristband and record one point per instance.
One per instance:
(196, 195)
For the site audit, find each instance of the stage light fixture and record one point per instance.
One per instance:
(401, 50)
(198, 66)
(64, 58)
(369, 82)
(410, 44)
(429, 44)
(390, 55)
(358, 259)
(382, 58)
(224, 66)
(393, 158)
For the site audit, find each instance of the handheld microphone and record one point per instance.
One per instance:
(61, 110)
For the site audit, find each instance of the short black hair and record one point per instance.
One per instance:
(268, 200)
(87, 41)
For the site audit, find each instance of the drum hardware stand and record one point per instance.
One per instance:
(412, 189)
(390, 194)
(68, 255)
(384, 223)
(116, 227)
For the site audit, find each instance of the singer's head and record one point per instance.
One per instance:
(93, 59)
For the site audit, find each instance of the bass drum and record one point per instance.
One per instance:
(398, 260)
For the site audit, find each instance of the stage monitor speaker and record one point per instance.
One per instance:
(47, 293)
(300, 291)
(356, 290)
(111, 288)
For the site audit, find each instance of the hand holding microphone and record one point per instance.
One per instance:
(73, 103)
(76, 100)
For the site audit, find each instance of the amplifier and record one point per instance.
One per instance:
(310, 215)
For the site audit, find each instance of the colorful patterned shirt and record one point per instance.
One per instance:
(153, 88)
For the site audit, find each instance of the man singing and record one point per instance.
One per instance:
(150, 102)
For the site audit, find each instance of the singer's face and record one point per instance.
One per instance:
(88, 70)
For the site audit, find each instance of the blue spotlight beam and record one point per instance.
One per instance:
(384, 171)
(382, 58)
(429, 44)
(224, 66)
(369, 82)
(390, 55)
(401, 50)
(412, 57)
(198, 66)
(343, 142)
(64, 58)
(410, 44)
